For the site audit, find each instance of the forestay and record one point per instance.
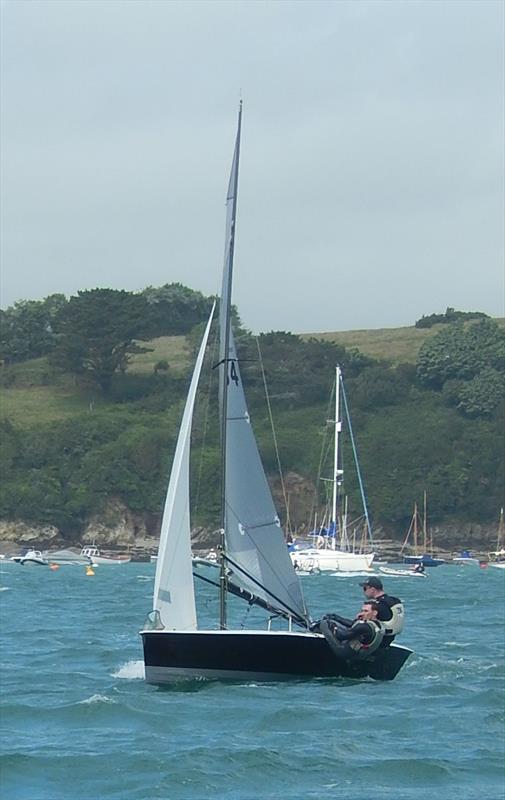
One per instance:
(174, 595)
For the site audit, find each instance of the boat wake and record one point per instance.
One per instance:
(131, 671)
(347, 574)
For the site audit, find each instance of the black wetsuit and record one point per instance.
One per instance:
(359, 630)
(384, 614)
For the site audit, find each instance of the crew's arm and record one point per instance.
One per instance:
(360, 631)
(342, 620)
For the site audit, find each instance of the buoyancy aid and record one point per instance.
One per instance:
(394, 625)
(378, 631)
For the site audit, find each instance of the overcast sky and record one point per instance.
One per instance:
(371, 188)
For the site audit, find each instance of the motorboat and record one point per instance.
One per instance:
(31, 557)
(66, 558)
(466, 558)
(98, 558)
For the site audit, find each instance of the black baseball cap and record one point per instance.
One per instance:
(375, 583)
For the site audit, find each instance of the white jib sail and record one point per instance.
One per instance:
(174, 594)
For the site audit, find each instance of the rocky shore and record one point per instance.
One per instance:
(119, 529)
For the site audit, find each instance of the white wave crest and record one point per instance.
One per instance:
(459, 644)
(97, 698)
(132, 670)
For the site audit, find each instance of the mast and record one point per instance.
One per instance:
(416, 553)
(501, 528)
(225, 313)
(336, 472)
(425, 529)
(356, 460)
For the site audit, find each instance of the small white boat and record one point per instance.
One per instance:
(466, 560)
(197, 561)
(97, 558)
(66, 557)
(308, 566)
(342, 573)
(497, 558)
(31, 557)
(403, 573)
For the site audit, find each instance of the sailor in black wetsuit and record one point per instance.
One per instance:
(391, 611)
(357, 638)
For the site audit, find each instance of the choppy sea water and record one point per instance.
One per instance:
(78, 721)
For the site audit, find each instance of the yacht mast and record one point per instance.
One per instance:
(227, 366)
(416, 546)
(337, 473)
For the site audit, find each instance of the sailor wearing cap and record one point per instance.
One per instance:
(391, 610)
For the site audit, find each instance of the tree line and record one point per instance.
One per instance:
(435, 425)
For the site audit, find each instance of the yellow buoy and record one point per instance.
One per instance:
(89, 571)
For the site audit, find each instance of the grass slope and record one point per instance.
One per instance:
(398, 345)
(33, 392)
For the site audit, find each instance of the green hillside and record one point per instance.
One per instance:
(34, 392)
(426, 406)
(397, 345)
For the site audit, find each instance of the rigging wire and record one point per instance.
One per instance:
(277, 455)
(323, 456)
(206, 408)
(356, 461)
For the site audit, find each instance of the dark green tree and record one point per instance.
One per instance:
(98, 330)
(483, 394)
(461, 353)
(451, 315)
(27, 328)
(174, 309)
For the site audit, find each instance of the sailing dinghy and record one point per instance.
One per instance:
(254, 563)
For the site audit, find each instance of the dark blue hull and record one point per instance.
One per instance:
(258, 655)
(427, 561)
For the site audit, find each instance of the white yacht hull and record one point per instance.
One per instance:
(327, 560)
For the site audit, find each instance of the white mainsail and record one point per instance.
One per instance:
(174, 594)
(254, 538)
(255, 546)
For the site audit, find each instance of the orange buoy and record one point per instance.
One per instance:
(54, 566)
